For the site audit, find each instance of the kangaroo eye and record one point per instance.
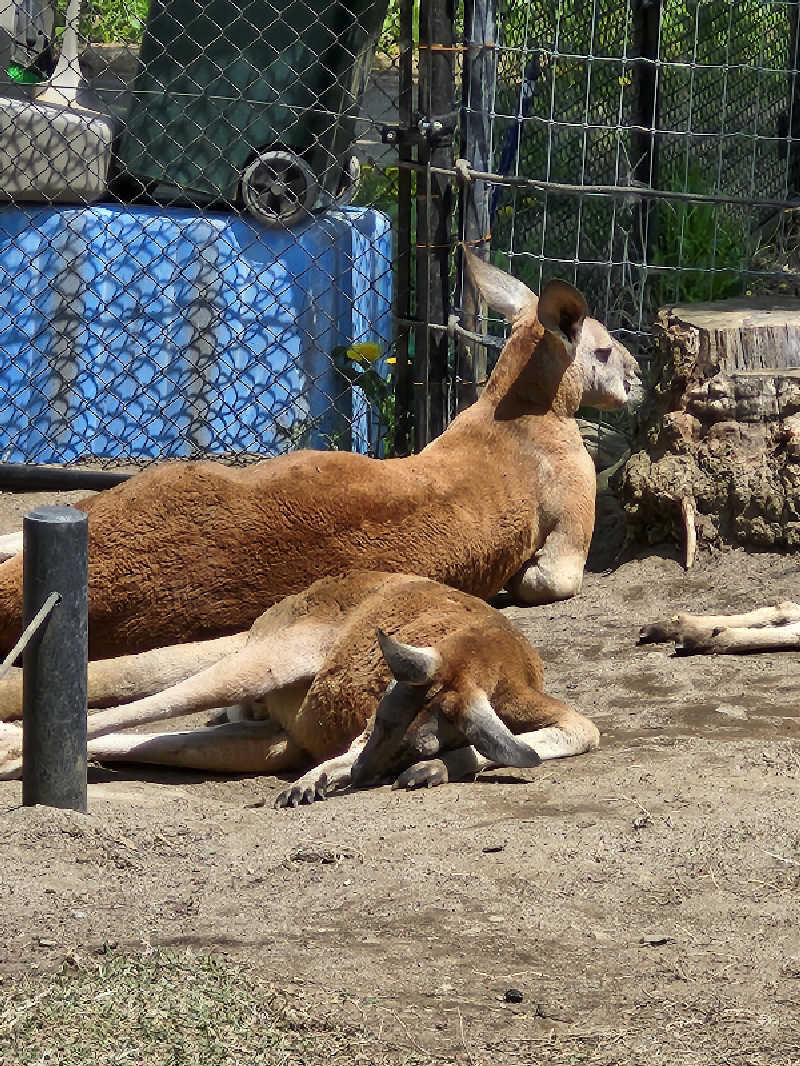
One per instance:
(602, 354)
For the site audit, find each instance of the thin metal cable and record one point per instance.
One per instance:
(29, 632)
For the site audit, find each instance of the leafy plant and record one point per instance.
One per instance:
(389, 40)
(357, 364)
(108, 21)
(297, 434)
(378, 187)
(122, 22)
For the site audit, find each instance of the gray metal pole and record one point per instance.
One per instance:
(56, 559)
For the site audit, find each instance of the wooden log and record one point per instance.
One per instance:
(749, 333)
(721, 426)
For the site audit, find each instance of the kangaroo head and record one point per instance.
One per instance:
(608, 372)
(424, 711)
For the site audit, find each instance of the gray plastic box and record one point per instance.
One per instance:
(52, 153)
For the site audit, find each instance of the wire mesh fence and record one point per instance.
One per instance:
(649, 146)
(230, 226)
(687, 101)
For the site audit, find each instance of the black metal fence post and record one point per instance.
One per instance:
(403, 442)
(434, 206)
(789, 122)
(55, 661)
(644, 135)
(477, 100)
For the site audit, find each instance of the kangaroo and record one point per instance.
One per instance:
(456, 686)
(503, 498)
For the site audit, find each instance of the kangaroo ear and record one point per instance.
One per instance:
(501, 291)
(409, 664)
(481, 726)
(562, 310)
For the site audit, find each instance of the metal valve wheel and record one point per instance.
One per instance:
(279, 188)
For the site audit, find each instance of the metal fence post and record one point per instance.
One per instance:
(478, 84)
(789, 122)
(644, 134)
(403, 389)
(55, 661)
(434, 204)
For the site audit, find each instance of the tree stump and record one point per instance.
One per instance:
(720, 432)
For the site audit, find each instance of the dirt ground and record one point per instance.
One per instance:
(644, 900)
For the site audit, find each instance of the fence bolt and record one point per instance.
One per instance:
(56, 559)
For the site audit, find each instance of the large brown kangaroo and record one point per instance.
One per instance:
(505, 497)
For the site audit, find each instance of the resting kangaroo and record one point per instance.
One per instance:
(314, 667)
(505, 497)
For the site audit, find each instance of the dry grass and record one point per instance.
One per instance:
(172, 1009)
(180, 1009)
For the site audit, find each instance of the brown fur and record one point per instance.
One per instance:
(478, 645)
(312, 668)
(186, 551)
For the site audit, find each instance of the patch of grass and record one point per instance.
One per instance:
(171, 1009)
(707, 243)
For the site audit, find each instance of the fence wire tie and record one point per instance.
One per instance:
(30, 631)
(455, 329)
(477, 240)
(463, 172)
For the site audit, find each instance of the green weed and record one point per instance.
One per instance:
(706, 244)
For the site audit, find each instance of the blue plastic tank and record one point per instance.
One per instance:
(149, 333)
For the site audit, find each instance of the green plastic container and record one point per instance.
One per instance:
(252, 103)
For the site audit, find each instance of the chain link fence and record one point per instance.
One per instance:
(188, 261)
(192, 263)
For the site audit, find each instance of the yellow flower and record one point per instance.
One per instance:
(368, 352)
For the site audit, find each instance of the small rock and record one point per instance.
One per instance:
(494, 847)
(731, 710)
(322, 854)
(326, 855)
(43, 943)
(654, 940)
(512, 995)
